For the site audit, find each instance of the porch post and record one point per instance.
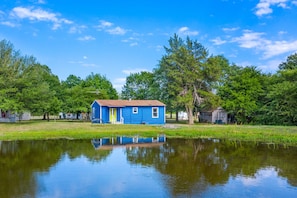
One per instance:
(121, 116)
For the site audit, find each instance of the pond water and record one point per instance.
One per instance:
(177, 168)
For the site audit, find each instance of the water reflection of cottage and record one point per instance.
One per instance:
(109, 143)
(217, 116)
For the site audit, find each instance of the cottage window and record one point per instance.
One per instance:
(155, 112)
(135, 110)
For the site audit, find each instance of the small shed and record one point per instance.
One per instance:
(217, 116)
(128, 112)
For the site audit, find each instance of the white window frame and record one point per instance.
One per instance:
(157, 112)
(135, 110)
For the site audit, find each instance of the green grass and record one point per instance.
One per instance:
(33, 130)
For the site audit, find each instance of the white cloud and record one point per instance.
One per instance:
(264, 6)
(41, 2)
(77, 29)
(186, 31)
(85, 57)
(271, 65)
(279, 47)
(133, 44)
(117, 30)
(132, 71)
(89, 65)
(269, 48)
(131, 40)
(120, 80)
(39, 15)
(230, 29)
(250, 39)
(109, 28)
(218, 41)
(81, 63)
(282, 32)
(8, 23)
(262, 174)
(86, 38)
(118, 83)
(159, 48)
(104, 24)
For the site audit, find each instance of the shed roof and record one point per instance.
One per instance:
(122, 103)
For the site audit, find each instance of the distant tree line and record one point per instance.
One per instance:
(187, 78)
(26, 85)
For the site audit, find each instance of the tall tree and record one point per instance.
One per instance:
(281, 100)
(140, 86)
(188, 73)
(42, 89)
(25, 84)
(240, 92)
(11, 66)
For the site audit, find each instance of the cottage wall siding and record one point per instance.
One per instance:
(105, 114)
(125, 113)
(95, 112)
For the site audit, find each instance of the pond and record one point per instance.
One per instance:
(176, 168)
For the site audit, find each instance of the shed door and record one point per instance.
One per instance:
(112, 115)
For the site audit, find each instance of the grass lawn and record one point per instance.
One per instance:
(32, 130)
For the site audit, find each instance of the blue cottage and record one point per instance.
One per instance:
(128, 112)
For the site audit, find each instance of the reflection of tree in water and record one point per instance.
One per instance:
(190, 166)
(20, 160)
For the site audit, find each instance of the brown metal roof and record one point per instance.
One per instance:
(122, 103)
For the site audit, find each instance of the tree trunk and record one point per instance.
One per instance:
(176, 116)
(190, 115)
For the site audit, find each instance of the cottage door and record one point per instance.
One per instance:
(112, 115)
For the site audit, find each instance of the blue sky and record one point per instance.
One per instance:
(116, 37)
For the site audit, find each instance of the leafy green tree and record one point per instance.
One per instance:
(279, 102)
(140, 86)
(282, 99)
(25, 84)
(77, 100)
(79, 93)
(188, 73)
(40, 95)
(11, 66)
(240, 92)
(101, 85)
(291, 63)
(72, 81)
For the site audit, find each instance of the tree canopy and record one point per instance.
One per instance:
(26, 85)
(188, 73)
(240, 92)
(187, 78)
(140, 86)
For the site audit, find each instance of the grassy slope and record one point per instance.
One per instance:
(82, 130)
